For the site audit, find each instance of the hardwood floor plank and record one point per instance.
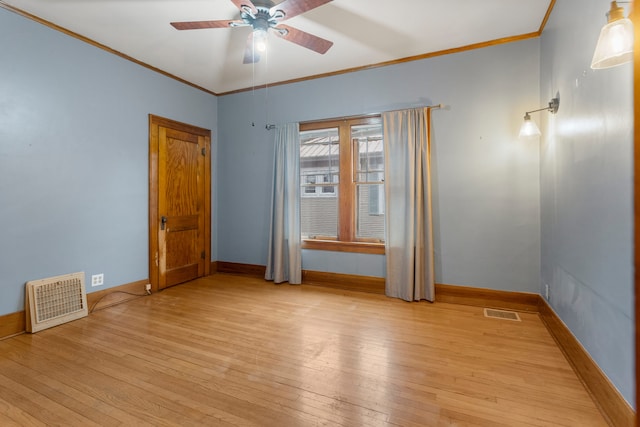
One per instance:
(162, 405)
(38, 405)
(119, 395)
(196, 395)
(235, 350)
(39, 385)
(11, 415)
(201, 374)
(55, 375)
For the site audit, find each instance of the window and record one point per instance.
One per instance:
(310, 184)
(327, 178)
(342, 179)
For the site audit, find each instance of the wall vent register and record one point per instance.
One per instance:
(55, 300)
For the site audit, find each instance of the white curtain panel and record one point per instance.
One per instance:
(407, 184)
(284, 259)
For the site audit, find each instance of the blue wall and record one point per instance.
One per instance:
(586, 190)
(486, 182)
(74, 157)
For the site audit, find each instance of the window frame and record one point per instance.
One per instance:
(346, 240)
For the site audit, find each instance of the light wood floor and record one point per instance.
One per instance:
(229, 350)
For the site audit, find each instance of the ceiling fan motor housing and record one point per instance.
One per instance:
(261, 21)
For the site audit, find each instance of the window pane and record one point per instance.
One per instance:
(368, 143)
(319, 216)
(370, 218)
(319, 171)
(370, 170)
(320, 152)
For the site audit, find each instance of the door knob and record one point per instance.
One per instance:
(163, 221)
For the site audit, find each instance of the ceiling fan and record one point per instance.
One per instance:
(261, 15)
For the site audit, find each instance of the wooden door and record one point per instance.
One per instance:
(179, 202)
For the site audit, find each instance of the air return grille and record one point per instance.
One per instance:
(55, 300)
(501, 314)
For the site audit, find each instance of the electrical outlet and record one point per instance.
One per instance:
(97, 279)
(546, 291)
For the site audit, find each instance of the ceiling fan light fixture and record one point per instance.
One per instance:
(260, 40)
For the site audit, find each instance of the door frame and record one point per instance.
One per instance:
(154, 218)
(635, 18)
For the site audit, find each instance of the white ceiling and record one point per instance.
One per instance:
(364, 32)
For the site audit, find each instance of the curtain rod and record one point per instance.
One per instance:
(435, 106)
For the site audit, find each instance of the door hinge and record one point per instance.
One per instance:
(202, 255)
(204, 152)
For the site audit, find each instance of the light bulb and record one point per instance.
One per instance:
(528, 128)
(260, 40)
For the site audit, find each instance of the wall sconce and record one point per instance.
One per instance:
(529, 127)
(615, 44)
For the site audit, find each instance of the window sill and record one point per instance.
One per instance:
(336, 246)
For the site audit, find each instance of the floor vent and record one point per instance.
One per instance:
(501, 314)
(54, 301)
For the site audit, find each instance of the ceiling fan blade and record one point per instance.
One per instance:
(251, 55)
(304, 39)
(293, 8)
(198, 25)
(248, 3)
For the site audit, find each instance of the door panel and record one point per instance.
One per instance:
(179, 220)
(180, 203)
